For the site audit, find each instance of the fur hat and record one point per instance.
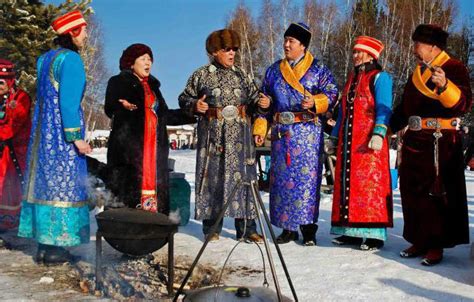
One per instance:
(300, 32)
(221, 39)
(369, 45)
(430, 34)
(132, 52)
(68, 22)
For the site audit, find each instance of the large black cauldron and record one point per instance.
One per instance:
(135, 232)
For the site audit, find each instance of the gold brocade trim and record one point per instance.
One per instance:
(260, 127)
(293, 76)
(419, 80)
(72, 129)
(450, 96)
(321, 101)
(10, 208)
(148, 192)
(59, 204)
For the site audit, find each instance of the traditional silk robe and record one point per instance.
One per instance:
(225, 151)
(296, 168)
(55, 209)
(362, 202)
(14, 135)
(430, 221)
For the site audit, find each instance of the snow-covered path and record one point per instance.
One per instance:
(332, 273)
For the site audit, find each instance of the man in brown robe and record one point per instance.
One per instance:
(432, 182)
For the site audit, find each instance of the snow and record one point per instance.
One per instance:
(324, 272)
(333, 273)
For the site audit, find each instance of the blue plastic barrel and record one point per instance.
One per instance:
(180, 196)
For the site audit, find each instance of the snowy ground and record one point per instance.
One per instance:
(324, 272)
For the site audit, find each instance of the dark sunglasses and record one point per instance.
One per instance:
(227, 49)
(3, 82)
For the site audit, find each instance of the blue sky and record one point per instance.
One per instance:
(176, 31)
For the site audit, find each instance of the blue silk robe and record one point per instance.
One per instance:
(296, 167)
(54, 209)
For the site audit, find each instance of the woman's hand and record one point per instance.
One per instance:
(127, 105)
(82, 146)
(202, 106)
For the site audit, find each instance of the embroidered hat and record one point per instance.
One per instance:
(299, 31)
(430, 34)
(222, 39)
(370, 45)
(7, 69)
(131, 53)
(68, 22)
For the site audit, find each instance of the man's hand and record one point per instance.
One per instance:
(127, 105)
(82, 146)
(201, 106)
(439, 77)
(376, 142)
(307, 103)
(263, 101)
(259, 140)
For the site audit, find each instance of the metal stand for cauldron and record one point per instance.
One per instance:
(167, 234)
(259, 206)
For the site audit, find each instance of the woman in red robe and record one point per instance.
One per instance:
(362, 204)
(14, 134)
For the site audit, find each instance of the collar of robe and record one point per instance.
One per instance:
(420, 79)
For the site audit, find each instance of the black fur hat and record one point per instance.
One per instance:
(221, 39)
(430, 34)
(300, 32)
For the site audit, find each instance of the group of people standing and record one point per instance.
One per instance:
(233, 116)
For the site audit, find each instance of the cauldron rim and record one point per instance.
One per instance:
(135, 216)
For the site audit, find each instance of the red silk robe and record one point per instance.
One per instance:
(14, 128)
(362, 190)
(429, 221)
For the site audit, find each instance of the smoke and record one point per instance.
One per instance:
(175, 217)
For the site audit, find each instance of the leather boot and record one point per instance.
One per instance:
(287, 236)
(59, 255)
(309, 234)
(42, 248)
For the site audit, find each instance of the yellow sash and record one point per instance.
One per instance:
(449, 97)
(293, 76)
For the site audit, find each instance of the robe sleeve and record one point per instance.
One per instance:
(327, 91)
(72, 80)
(188, 98)
(383, 103)
(112, 95)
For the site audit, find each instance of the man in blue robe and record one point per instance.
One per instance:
(301, 89)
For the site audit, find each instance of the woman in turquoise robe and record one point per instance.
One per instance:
(54, 209)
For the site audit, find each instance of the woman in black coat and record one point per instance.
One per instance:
(137, 156)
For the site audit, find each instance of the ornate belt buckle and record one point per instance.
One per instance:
(432, 123)
(287, 118)
(230, 112)
(414, 123)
